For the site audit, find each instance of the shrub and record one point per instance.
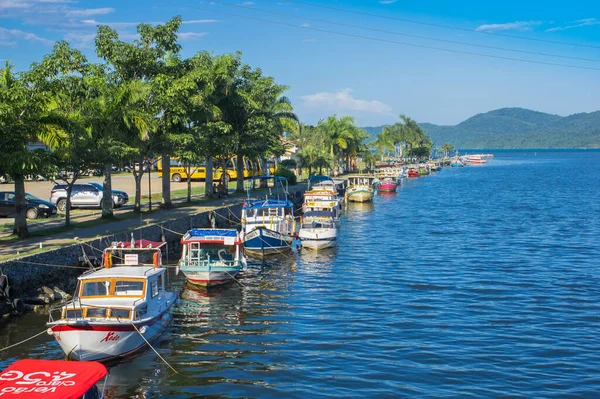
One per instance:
(288, 174)
(288, 163)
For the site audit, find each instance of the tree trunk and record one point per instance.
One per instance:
(20, 228)
(107, 201)
(68, 210)
(137, 207)
(240, 173)
(166, 181)
(208, 182)
(189, 183)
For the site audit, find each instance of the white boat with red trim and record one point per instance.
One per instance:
(118, 309)
(211, 256)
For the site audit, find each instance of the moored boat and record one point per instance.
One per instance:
(211, 256)
(322, 195)
(318, 230)
(412, 172)
(388, 184)
(476, 160)
(118, 309)
(360, 188)
(267, 220)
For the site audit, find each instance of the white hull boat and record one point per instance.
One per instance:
(318, 230)
(118, 309)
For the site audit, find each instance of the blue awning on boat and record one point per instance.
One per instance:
(270, 203)
(212, 233)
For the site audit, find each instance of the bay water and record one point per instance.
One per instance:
(473, 282)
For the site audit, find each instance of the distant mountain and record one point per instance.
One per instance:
(516, 128)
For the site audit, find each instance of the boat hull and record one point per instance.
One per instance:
(387, 188)
(262, 241)
(318, 238)
(105, 342)
(210, 278)
(360, 196)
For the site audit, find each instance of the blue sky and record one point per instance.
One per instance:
(373, 80)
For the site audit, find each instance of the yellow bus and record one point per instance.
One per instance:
(198, 172)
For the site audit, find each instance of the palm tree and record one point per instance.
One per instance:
(25, 116)
(112, 114)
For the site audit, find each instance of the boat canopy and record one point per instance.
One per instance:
(210, 235)
(50, 379)
(319, 214)
(268, 203)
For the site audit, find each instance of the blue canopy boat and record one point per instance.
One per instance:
(211, 256)
(267, 217)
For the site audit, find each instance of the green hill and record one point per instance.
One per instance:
(517, 128)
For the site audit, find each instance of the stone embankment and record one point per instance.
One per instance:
(31, 277)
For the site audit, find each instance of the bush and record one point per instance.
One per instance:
(288, 174)
(288, 163)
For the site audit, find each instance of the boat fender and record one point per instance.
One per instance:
(157, 259)
(143, 329)
(107, 261)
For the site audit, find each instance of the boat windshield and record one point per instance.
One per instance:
(212, 254)
(113, 287)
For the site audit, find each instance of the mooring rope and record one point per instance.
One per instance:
(151, 347)
(238, 281)
(25, 340)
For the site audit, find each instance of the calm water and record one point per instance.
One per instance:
(474, 282)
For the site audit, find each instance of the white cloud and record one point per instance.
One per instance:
(6, 4)
(247, 3)
(387, 1)
(89, 12)
(576, 24)
(191, 35)
(342, 100)
(517, 25)
(304, 25)
(12, 35)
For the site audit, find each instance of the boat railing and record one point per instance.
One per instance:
(80, 306)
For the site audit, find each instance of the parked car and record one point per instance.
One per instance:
(85, 195)
(36, 207)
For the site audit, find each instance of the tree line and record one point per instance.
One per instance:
(143, 100)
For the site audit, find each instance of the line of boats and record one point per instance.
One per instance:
(119, 308)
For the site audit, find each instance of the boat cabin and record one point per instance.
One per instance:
(365, 180)
(211, 246)
(130, 286)
(318, 220)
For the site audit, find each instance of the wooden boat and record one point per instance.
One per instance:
(360, 188)
(318, 230)
(267, 220)
(211, 256)
(52, 379)
(322, 195)
(388, 184)
(117, 309)
(412, 172)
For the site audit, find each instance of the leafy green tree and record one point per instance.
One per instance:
(447, 148)
(26, 115)
(141, 61)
